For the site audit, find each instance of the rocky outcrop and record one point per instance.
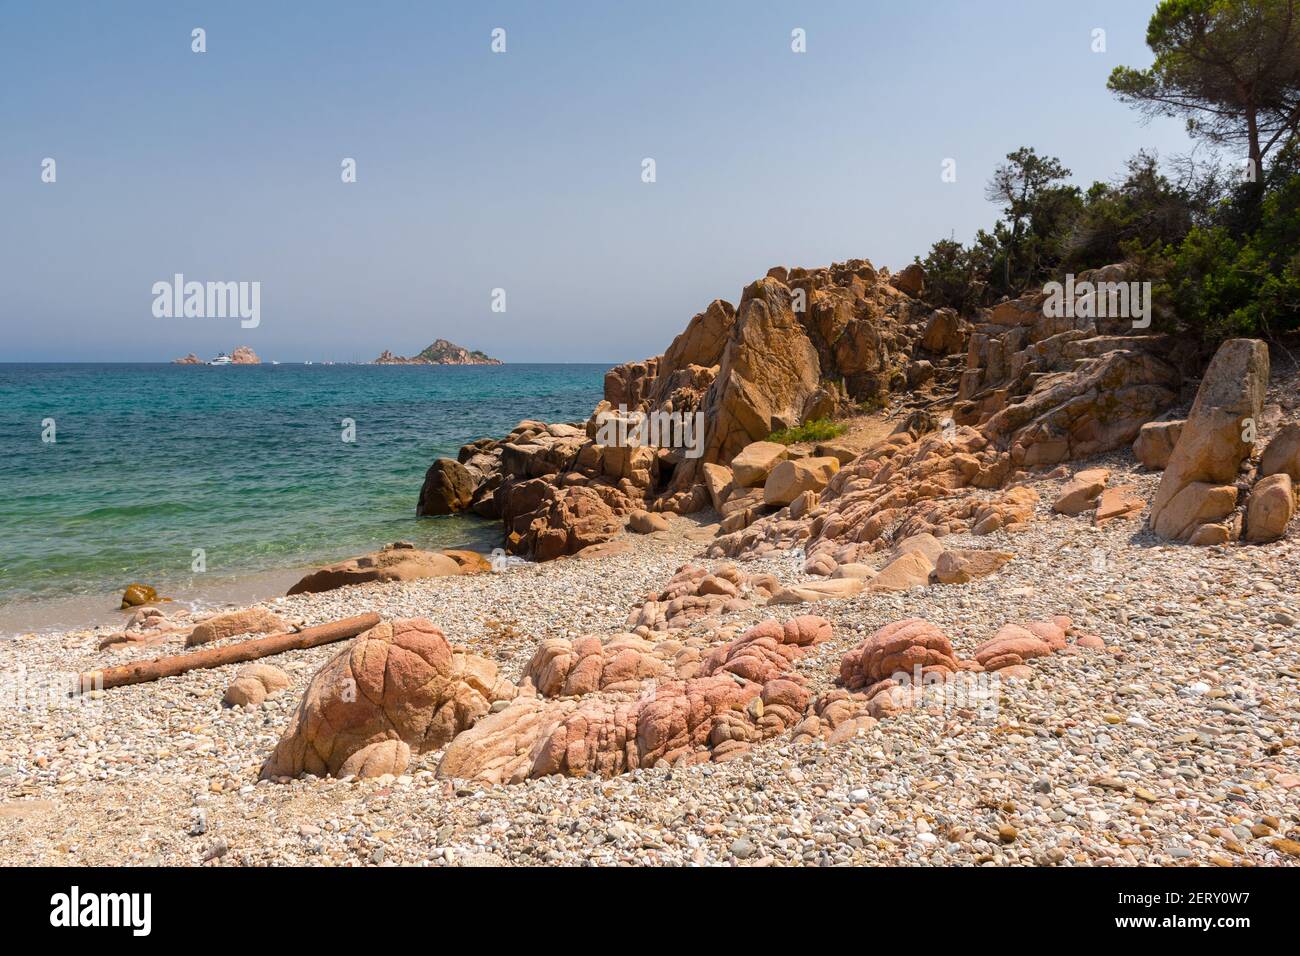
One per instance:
(190, 359)
(398, 689)
(744, 694)
(243, 355)
(1197, 498)
(940, 484)
(1031, 389)
(395, 562)
(695, 593)
(897, 648)
(680, 723)
(564, 521)
(962, 565)
(441, 352)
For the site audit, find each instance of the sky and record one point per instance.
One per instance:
(520, 171)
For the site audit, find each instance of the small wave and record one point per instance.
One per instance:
(134, 511)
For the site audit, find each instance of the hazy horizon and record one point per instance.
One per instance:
(519, 170)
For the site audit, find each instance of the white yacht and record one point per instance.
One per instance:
(221, 359)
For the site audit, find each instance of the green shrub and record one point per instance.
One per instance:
(821, 429)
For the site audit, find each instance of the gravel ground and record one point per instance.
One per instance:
(1177, 745)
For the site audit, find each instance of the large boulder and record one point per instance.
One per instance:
(1269, 508)
(719, 481)
(1283, 453)
(944, 333)
(790, 479)
(897, 648)
(1155, 443)
(394, 562)
(1197, 486)
(399, 681)
(448, 487)
(755, 462)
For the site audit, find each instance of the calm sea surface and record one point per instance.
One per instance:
(247, 463)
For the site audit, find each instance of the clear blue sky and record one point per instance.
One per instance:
(519, 170)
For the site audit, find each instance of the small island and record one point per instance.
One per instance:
(242, 355)
(441, 352)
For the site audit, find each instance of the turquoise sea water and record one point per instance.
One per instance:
(245, 462)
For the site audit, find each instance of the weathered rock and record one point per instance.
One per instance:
(384, 757)
(1196, 486)
(790, 479)
(1080, 493)
(400, 680)
(1197, 504)
(843, 453)
(566, 521)
(897, 648)
(253, 620)
(1269, 507)
(471, 562)
(765, 651)
(137, 594)
(909, 570)
(768, 372)
(254, 683)
(1122, 501)
(960, 566)
(1014, 644)
(394, 562)
(1282, 454)
(448, 488)
(755, 462)
(718, 479)
(563, 668)
(646, 522)
(833, 589)
(910, 280)
(863, 572)
(681, 723)
(923, 543)
(1156, 441)
(695, 593)
(944, 333)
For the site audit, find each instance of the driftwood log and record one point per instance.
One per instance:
(142, 672)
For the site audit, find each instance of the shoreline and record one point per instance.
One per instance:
(1180, 709)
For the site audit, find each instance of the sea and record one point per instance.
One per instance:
(219, 484)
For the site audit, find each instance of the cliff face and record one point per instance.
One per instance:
(441, 352)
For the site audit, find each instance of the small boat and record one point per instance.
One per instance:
(221, 359)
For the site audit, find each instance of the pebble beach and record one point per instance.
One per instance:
(1175, 745)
